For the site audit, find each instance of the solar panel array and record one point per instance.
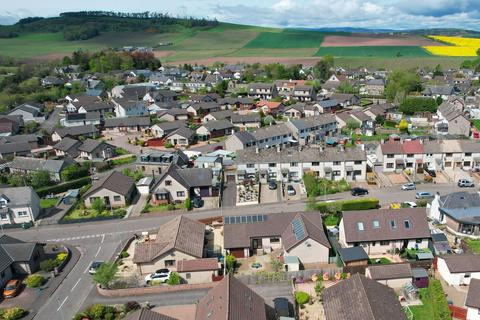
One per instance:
(245, 219)
(298, 229)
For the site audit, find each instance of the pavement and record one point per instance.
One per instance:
(138, 206)
(98, 241)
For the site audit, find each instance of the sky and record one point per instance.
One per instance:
(376, 14)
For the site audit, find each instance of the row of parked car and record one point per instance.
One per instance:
(272, 185)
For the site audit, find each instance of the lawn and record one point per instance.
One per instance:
(473, 245)
(331, 220)
(382, 260)
(79, 214)
(435, 305)
(381, 51)
(287, 39)
(162, 207)
(48, 203)
(376, 137)
(476, 123)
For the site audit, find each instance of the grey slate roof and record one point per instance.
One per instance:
(217, 125)
(353, 254)
(461, 206)
(18, 196)
(390, 271)
(461, 263)
(76, 131)
(188, 177)
(247, 118)
(115, 181)
(90, 145)
(7, 148)
(32, 164)
(14, 250)
(360, 298)
(66, 144)
(184, 132)
(473, 295)
(127, 121)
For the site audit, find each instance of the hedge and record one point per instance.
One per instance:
(62, 187)
(348, 205)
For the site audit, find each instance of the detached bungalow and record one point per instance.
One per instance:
(67, 147)
(459, 269)
(214, 129)
(115, 189)
(18, 205)
(96, 150)
(182, 137)
(130, 124)
(28, 165)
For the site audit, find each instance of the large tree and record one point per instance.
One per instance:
(105, 274)
(400, 83)
(322, 69)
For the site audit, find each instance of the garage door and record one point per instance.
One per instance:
(237, 253)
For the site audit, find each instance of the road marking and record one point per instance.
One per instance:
(61, 304)
(88, 267)
(75, 284)
(98, 251)
(103, 237)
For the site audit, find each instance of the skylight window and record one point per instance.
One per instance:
(376, 224)
(360, 226)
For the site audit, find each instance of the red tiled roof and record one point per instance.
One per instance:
(197, 265)
(412, 147)
(269, 104)
(392, 147)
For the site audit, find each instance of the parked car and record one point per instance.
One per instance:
(431, 172)
(359, 191)
(94, 266)
(408, 186)
(272, 185)
(197, 202)
(466, 183)
(12, 288)
(409, 204)
(282, 308)
(291, 190)
(423, 195)
(160, 275)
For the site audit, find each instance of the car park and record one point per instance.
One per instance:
(358, 191)
(466, 183)
(408, 186)
(160, 275)
(12, 288)
(423, 195)
(291, 190)
(94, 267)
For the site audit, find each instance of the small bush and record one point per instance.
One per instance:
(302, 297)
(97, 311)
(347, 205)
(11, 314)
(124, 254)
(61, 256)
(174, 279)
(168, 145)
(48, 265)
(131, 305)
(34, 281)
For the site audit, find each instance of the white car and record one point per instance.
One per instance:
(160, 275)
(410, 204)
(408, 186)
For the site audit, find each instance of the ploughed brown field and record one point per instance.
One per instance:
(374, 40)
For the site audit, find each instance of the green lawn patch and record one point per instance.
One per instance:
(48, 203)
(79, 214)
(162, 207)
(435, 305)
(473, 245)
(125, 160)
(379, 51)
(382, 260)
(476, 123)
(320, 186)
(376, 137)
(331, 220)
(287, 39)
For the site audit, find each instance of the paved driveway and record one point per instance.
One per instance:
(269, 196)
(229, 198)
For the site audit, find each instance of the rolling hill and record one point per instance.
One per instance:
(207, 41)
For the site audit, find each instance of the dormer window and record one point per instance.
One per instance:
(393, 224)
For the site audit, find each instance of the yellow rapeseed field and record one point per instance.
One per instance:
(461, 47)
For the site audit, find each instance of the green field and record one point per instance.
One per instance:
(381, 52)
(287, 39)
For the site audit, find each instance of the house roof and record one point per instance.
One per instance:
(76, 131)
(14, 250)
(390, 271)
(183, 132)
(90, 145)
(188, 177)
(145, 314)
(239, 235)
(114, 181)
(360, 298)
(473, 295)
(31, 164)
(391, 147)
(385, 224)
(19, 196)
(302, 228)
(181, 233)
(231, 299)
(127, 122)
(244, 137)
(66, 144)
(217, 125)
(205, 264)
(461, 206)
(7, 148)
(461, 263)
(239, 118)
(412, 147)
(352, 254)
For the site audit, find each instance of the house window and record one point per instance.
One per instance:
(418, 241)
(389, 156)
(180, 193)
(117, 198)
(272, 165)
(250, 165)
(336, 163)
(162, 196)
(293, 164)
(168, 182)
(448, 154)
(336, 173)
(3, 216)
(188, 275)
(274, 240)
(407, 224)
(467, 275)
(360, 226)
(393, 224)
(410, 155)
(376, 224)
(389, 165)
(169, 263)
(358, 162)
(22, 214)
(315, 163)
(468, 154)
(384, 243)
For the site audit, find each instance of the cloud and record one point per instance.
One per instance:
(404, 14)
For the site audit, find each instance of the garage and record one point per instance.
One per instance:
(238, 253)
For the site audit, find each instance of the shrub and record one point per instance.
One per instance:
(131, 305)
(124, 254)
(12, 314)
(174, 279)
(48, 265)
(97, 311)
(62, 187)
(230, 263)
(98, 205)
(347, 205)
(168, 145)
(126, 160)
(61, 256)
(188, 204)
(34, 281)
(302, 297)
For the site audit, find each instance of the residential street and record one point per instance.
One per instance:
(98, 241)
